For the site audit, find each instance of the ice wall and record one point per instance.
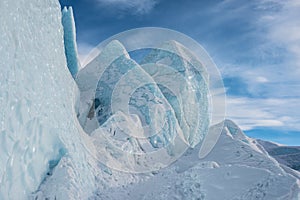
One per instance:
(70, 40)
(37, 119)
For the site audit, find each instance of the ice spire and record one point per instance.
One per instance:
(70, 40)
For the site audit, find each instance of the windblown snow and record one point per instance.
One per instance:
(50, 135)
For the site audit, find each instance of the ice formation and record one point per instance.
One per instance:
(70, 40)
(53, 139)
(87, 80)
(99, 82)
(174, 61)
(37, 95)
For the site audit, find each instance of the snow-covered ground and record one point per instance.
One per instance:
(286, 155)
(236, 168)
(46, 154)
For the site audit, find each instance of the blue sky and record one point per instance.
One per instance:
(255, 44)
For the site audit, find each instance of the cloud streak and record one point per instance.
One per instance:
(138, 7)
(252, 113)
(269, 71)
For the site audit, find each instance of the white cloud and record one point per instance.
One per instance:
(274, 112)
(134, 6)
(283, 28)
(277, 26)
(261, 79)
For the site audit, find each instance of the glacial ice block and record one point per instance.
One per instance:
(184, 82)
(87, 81)
(130, 108)
(125, 87)
(70, 40)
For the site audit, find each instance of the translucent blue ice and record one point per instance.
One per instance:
(126, 87)
(183, 81)
(70, 40)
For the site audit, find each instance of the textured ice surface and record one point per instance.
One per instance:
(125, 87)
(141, 107)
(176, 73)
(37, 94)
(133, 115)
(70, 40)
(183, 81)
(87, 81)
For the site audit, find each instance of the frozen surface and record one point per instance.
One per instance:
(45, 154)
(37, 94)
(87, 81)
(235, 169)
(142, 111)
(287, 155)
(70, 40)
(173, 61)
(114, 82)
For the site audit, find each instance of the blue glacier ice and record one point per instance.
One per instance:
(87, 81)
(125, 87)
(184, 82)
(70, 40)
(118, 97)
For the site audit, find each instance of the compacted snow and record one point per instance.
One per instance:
(54, 141)
(236, 168)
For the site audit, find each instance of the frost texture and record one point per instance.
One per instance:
(70, 40)
(37, 119)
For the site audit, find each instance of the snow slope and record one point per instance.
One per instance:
(287, 155)
(235, 169)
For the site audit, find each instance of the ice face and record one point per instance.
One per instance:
(37, 93)
(120, 101)
(133, 109)
(126, 87)
(170, 62)
(189, 94)
(87, 81)
(70, 40)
